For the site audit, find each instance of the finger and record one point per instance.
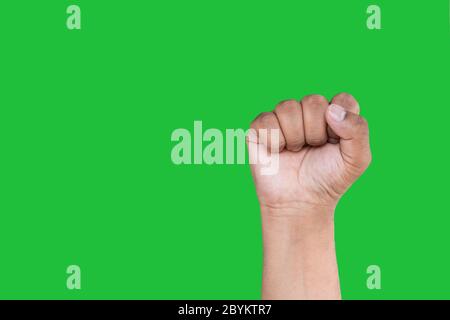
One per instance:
(259, 156)
(289, 115)
(268, 132)
(353, 132)
(314, 108)
(349, 103)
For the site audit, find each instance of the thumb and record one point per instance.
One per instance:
(353, 132)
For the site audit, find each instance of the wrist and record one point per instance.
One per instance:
(300, 220)
(299, 252)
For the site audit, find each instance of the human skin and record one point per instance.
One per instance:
(323, 148)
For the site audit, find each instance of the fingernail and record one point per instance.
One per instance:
(337, 112)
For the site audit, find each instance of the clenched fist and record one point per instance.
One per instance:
(322, 148)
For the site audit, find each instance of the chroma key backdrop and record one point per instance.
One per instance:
(94, 206)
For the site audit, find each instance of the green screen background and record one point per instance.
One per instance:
(86, 116)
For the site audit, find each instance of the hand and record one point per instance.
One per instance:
(322, 150)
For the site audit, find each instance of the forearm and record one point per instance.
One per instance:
(299, 254)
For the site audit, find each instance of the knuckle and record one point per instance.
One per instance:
(291, 103)
(361, 125)
(366, 160)
(315, 99)
(316, 141)
(286, 109)
(295, 145)
(359, 164)
(297, 142)
(266, 119)
(261, 120)
(347, 97)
